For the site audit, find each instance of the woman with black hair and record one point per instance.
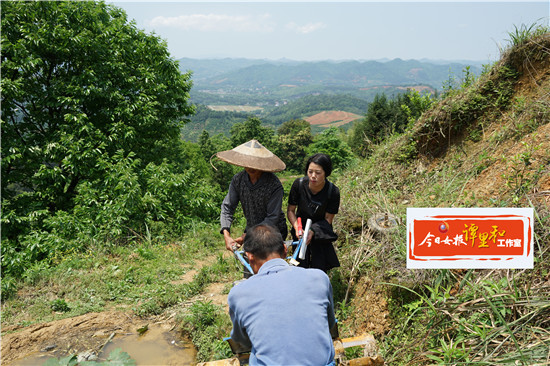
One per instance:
(314, 197)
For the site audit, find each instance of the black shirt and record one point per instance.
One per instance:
(313, 206)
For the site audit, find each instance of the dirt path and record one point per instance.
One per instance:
(93, 331)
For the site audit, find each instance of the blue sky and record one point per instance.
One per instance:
(358, 30)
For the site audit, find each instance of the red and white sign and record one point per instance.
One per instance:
(469, 238)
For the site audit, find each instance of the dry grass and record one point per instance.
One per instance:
(486, 145)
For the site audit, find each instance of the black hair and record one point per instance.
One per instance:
(320, 159)
(262, 240)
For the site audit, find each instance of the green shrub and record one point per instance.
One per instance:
(208, 325)
(59, 305)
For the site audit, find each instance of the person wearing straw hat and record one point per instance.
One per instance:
(258, 190)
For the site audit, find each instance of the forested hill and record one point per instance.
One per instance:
(243, 73)
(283, 90)
(216, 122)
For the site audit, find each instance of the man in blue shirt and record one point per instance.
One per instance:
(283, 313)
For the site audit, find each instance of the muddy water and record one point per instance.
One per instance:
(157, 346)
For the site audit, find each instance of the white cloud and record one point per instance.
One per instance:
(216, 22)
(306, 28)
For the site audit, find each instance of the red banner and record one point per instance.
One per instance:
(469, 237)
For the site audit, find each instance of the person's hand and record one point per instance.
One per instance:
(240, 240)
(230, 243)
(309, 237)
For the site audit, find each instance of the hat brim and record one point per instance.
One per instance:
(271, 164)
(253, 155)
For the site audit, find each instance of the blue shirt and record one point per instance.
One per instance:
(284, 314)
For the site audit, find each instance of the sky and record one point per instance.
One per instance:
(323, 30)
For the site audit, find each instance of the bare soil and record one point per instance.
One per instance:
(67, 336)
(234, 108)
(332, 118)
(370, 308)
(93, 331)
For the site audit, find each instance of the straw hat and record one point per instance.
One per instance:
(253, 155)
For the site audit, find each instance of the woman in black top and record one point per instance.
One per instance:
(314, 197)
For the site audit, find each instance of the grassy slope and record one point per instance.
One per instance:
(486, 145)
(496, 154)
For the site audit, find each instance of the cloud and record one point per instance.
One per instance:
(216, 22)
(306, 28)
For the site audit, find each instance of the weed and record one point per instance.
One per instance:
(59, 305)
(450, 352)
(145, 252)
(524, 32)
(207, 325)
(343, 311)
(475, 134)
(468, 78)
(521, 175)
(9, 287)
(353, 352)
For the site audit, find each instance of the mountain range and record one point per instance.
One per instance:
(281, 90)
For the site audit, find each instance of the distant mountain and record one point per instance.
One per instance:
(281, 90)
(476, 63)
(245, 73)
(209, 68)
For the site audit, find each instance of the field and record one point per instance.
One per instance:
(234, 108)
(332, 118)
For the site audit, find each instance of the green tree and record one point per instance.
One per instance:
(252, 129)
(293, 137)
(206, 146)
(221, 172)
(91, 114)
(331, 143)
(416, 104)
(375, 124)
(385, 117)
(79, 84)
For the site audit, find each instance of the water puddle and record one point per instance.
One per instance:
(157, 346)
(32, 360)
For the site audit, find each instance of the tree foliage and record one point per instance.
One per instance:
(251, 129)
(330, 142)
(221, 172)
(293, 139)
(91, 114)
(386, 116)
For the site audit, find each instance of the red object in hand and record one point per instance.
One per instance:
(299, 233)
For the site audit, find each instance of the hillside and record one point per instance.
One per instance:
(485, 145)
(269, 82)
(219, 119)
(280, 91)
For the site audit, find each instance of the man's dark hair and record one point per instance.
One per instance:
(320, 159)
(262, 240)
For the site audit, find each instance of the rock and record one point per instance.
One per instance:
(88, 355)
(49, 348)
